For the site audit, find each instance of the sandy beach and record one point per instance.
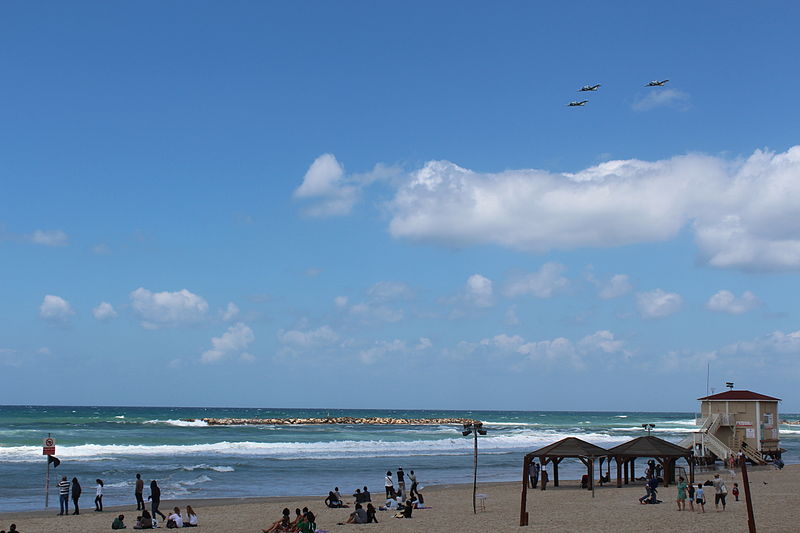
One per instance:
(566, 508)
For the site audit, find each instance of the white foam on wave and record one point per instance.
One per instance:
(120, 416)
(180, 423)
(208, 467)
(523, 439)
(621, 416)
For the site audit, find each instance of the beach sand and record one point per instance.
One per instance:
(776, 498)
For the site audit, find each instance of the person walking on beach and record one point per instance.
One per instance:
(720, 492)
(401, 481)
(700, 497)
(138, 492)
(98, 499)
(533, 474)
(389, 485)
(76, 494)
(690, 490)
(545, 476)
(63, 496)
(681, 494)
(155, 499)
(413, 492)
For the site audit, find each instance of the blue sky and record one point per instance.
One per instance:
(390, 205)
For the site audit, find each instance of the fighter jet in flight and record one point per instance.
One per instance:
(586, 88)
(577, 104)
(656, 83)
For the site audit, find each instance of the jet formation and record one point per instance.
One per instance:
(595, 87)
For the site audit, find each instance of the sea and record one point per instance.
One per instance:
(195, 460)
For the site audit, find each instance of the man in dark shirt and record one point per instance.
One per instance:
(138, 492)
(401, 480)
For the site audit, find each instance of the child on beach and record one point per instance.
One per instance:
(735, 491)
(681, 494)
(691, 497)
(700, 497)
(118, 522)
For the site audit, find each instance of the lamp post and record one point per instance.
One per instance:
(648, 427)
(475, 428)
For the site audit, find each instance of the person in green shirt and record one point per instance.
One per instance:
(682, 494)
(118, 522)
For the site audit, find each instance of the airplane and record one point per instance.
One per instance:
(656, 83)
(586, 88)
(577, 104)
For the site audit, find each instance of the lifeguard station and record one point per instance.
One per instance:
(734, 421)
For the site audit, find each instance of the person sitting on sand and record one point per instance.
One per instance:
(333, 501)
(367, 495)
(359, 516)
(191, 517)
(405, 511)
(359, 498)
(297, 516)
(284, 525)
(175, 519)
(145, 521)
(118, 522)
(307, 523)
(371, 514)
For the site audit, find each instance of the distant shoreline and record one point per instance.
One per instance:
(335, 420)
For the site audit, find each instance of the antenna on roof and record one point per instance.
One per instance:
(708, 375)
(729, 384)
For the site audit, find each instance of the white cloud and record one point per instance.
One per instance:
(168, 308)
(561, 349)
(511, 316)
(742, 212)
(44, 350)
(618, 285)
(304, 339)
(726, 302)
(384, 291)
(541, 284)
(340, 301)
(662, 97)
(324, 184)
(658, 303)
(380, 350)
(53, 237)
(101, 249)
(423, 344)
(55, 309)
(368, 312)
(231, 312)
(479, 290)
(104, 311)
(238, 337)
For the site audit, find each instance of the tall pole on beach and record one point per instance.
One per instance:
(474, 428)
(751, 521)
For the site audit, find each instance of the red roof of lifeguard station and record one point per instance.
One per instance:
(740, 395)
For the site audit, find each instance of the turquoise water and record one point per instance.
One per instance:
(199, 461)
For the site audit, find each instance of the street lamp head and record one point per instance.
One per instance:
(466, 432)
(481, 432)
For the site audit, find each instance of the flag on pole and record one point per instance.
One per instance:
(54, 460)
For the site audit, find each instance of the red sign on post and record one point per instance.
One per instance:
(49, 447)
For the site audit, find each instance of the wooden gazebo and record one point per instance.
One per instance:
(666, 453)
(555, 453)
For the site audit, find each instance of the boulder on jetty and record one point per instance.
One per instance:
(374, 420)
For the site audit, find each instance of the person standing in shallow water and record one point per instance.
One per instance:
(76, 494)
(138, 492)
(155, 500)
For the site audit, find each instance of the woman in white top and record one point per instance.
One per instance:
(98, 499)
(191, 517)
(389, 485)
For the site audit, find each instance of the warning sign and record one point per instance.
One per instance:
(49, 446)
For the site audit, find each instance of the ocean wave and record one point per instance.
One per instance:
(180, 423)
(312, 450)
(208, 467)
(621, 416)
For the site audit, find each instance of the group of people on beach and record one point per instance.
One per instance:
(697, 495)
(304, 522)
(147, 520)
(65, 489)
(536, 472)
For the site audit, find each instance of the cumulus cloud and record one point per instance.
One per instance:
(325, 186)
(163, 309)
(742, 212)
(662, 97)
(304, 339)
(614, 287)
(727, 302)
(380, 350)
(384, 291)
(542, 284)
(658, 303)
(479, 290)
(380, 304)
(104, 311)
(53, 237)
(235, 340)
(560, 349)
(230, 312)
(55, 309)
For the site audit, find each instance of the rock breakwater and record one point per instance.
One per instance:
(376, 421)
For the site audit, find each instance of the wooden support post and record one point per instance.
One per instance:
(619, 473)
(556, 461)
(591, 475)
(633, 469)
(523, 506)
(691, 470)
(751, 521)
